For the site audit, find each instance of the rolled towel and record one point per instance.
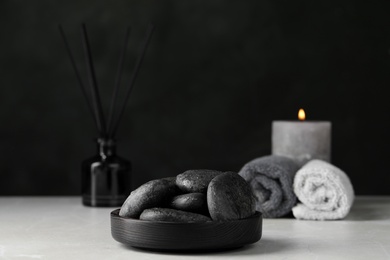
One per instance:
(325, 192)
(271, 178)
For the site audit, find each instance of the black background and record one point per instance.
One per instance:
(215, 76)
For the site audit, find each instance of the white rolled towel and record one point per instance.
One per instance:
(324, 192)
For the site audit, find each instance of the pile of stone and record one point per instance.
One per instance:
(192, 196)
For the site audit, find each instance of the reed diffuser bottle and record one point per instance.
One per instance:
(105, 177)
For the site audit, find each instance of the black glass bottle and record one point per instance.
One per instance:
(106, 177)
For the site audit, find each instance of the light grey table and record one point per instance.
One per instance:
(61, 228)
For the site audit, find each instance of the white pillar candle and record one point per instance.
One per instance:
(302, 140)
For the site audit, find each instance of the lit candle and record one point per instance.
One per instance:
(302, 140)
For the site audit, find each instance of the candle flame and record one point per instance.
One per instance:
(301, 115)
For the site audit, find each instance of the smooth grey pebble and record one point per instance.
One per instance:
(192, 202)
(230, 197)
(171, 215)
(195, 180)
(154, 193)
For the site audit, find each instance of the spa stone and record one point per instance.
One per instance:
(229, 197)
(192, 202)
(172, 215)
(195, 180)
(151, 194)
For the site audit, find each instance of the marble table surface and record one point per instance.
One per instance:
(62, 228)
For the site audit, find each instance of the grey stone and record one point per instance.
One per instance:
(229, 197)
(172, 215)
(192, 202)
(195, 180)
(153, 193)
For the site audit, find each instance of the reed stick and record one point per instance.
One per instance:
(117, 83)
(94, 103)
(93, 83)
(81, 84)
(134, 75)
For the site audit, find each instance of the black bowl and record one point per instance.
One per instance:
(179, 236)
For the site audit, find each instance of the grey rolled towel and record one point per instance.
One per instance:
(271, 178)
